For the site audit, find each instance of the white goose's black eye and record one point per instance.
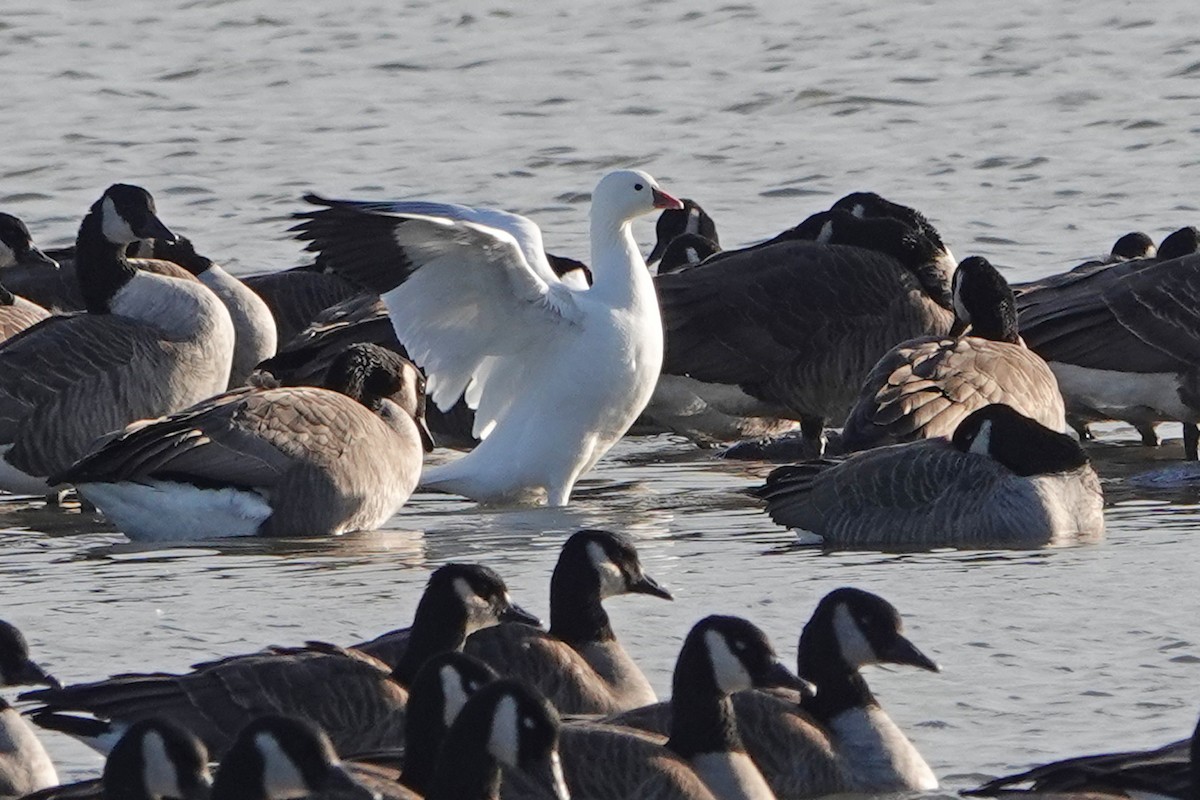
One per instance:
(637, 187)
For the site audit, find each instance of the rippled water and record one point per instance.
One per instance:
(1034, 134)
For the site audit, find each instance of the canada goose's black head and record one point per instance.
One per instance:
(476, 591)
(283, 758)
(519, 730)
(371, 374)
(1182, 242)
(564, 266)
(674, 222)
(182, 252)
(435, 699)
(156, 759)
(126, 214)
(736, 654)
(1023, 445)
(862, 628)
(686, 251)
(984, 301)
(609, 559)
(16, 668)
(1133, 245)
(868, 205)
(17, 247)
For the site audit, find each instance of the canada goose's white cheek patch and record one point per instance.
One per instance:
(160, 772)
(728, 670)
(504, 743)
(851, 641)
(612, 580)
(281, 778)
(114, 227)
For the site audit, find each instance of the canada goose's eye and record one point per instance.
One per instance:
(637, 187)
(528, 723)
(740, 646)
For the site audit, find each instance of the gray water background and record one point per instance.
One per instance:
(1032, 133)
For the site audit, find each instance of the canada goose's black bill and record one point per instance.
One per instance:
(151, 227)
(426, 435)
(33, 675)
(664, 200)
(34, 257)
(901, 651)
(548, 773)
(778, 676)
(514, 613)
(647, 585)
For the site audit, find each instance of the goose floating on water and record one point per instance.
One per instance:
(557, 374)
(357, 699)
(16, 247)
(291, 461)
(1002, 480)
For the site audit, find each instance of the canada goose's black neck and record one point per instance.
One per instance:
(702, 717)
(576, 614)
(986, 300)
(101, 265)
(7, 298)
(840, 686)
(439, 626)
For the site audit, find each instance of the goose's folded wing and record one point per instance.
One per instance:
(1165, 772)
(1161, 306)
(926, 388)
(247, 438)
(548, 664)
(296, 296)
(867, 496)
(740, 319)
(70, 379)
(459, 293)
(350, 695)
(1093, 336)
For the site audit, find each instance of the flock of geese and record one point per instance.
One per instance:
(476, 700)
(185, 403)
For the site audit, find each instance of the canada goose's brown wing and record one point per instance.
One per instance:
(348, 694)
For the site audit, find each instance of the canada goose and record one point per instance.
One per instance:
(1168, 771)
(256, 337)
(24, 764)
(689, 220)
(357, 699)
(363, 318)
(154, 760)
(16, 246)
(1118, 339)
(797, 325)
(291, 461)
(149, 345)
(685, 251)
(556, 374)
(841, 740)
(296, 296)
(924, 388)
(283, 758)
(721, 655)
(578, 665)
(1003, 480)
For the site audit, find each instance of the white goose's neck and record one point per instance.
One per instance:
(619, 274)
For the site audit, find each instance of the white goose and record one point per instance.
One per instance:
(556, 373)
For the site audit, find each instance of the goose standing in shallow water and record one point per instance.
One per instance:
(149, 345)
(1003, 480)
(924, 388)
(24, 764)
(841, 740)
(579, 665)
(557, 374)
(357, 699)
(292, 461)
(796, 325)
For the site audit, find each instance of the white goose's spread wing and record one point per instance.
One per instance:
(462, 295)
